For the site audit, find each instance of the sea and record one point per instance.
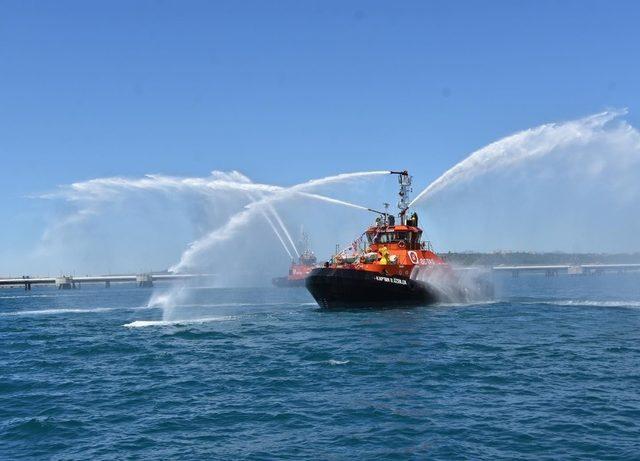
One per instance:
(547, 370)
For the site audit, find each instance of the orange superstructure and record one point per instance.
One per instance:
(390, 250)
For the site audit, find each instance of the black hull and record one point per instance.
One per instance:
(350, 288)
(285, 282)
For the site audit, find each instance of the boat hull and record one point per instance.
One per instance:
(351, 288)
(286, 282)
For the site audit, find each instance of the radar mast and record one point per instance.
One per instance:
(404, 180)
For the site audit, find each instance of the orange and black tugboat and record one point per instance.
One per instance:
(299, 271)
(389, 265)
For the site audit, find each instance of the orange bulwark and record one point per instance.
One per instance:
(390, 250)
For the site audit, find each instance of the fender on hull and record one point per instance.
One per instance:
(338, 288)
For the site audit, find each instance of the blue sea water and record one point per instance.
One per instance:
(549, 370)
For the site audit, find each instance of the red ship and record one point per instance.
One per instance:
(389, 265)
(299, 271)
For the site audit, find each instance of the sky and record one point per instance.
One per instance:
(286, 91)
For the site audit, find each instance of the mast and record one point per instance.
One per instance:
(404, 180)
(303, 243)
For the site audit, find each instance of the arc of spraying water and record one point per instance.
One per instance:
(513, 148)
(91, 193)
(283, 227)
(274, 228)
(241, 218)
(275, 231)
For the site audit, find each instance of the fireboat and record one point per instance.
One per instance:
(389, 265)
(298, 271)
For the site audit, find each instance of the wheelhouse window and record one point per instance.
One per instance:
(401, 236)
(389, 237)
(385, 237)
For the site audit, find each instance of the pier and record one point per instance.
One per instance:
(67, 282)
(578, 269)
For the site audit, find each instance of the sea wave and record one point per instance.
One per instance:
(67, 311)
(586, 303)
(31, 296)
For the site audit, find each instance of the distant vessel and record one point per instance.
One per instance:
(299, 271)
(379, 267)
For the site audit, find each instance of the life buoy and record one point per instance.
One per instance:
(413, 257)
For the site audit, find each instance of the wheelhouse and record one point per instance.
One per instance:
(408, 237)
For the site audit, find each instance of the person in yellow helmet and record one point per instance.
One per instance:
(384, 255)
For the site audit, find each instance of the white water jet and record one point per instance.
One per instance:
(332, 200)
(522, 146)
(98, 208)
(272, 225)
(166, 323)
(570, 186)
(142, 224)
(275, 214)
(189, 258)
(91, 197)
(100, 189)
(275, 231)
(93, 194)
(265, 214)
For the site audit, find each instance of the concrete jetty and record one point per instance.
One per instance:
(67, 282)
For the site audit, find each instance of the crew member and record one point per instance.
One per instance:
(384, 255)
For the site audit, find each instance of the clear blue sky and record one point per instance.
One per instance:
(289, 90)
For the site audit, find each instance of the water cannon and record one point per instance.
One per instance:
(383, 219)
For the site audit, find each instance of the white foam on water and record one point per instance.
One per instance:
(176, 301)
(337, 362)
(456, 287)
(469, 303)
(586, 303)
(164, 323)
